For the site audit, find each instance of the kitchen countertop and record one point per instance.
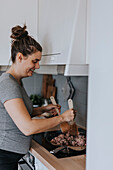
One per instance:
(52, 163)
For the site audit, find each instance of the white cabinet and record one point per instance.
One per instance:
(62, 34)
(58, 25)
(13, 13)
(39, 165)
(55, 28)
(62, 31)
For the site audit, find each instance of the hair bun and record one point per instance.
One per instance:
(19, 32)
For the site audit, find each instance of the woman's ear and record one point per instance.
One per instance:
(19, 57)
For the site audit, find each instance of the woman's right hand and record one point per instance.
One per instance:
(68, 115)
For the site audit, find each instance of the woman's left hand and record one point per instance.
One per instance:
(50, 108)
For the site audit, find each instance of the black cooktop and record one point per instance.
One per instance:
(41, 138)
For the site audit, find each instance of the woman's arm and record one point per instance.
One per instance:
(19, 114)
(38, 111)
(49, 108)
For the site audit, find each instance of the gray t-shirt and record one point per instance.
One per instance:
(11, 138)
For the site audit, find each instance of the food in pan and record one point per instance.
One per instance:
(67, 139)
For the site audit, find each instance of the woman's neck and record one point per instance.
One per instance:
(15, 74)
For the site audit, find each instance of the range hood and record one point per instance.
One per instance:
(64, 44)
(66, 70)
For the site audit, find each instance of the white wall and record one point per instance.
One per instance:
(100, 94)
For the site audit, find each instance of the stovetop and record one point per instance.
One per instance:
(66, 152)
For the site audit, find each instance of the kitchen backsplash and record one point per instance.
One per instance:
(33, 85)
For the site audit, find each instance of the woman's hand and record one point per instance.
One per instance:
(69, 115)
(49, 109)
(52, 109)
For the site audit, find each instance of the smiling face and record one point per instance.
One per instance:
(29, 64)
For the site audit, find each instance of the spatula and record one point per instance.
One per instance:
(73, 127)
(63, 126)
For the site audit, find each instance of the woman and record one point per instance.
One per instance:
(16, 111)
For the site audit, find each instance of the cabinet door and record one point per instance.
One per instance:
(15, 12)
(39, 165)
(55, 28)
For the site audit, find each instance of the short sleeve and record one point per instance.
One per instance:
(9, 89)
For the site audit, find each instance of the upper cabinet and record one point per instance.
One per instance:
(62, 34)
(55, 29)
(60, 26)
(13, 13)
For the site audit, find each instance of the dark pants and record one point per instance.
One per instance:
(9, 160)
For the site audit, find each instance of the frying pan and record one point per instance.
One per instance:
(51, 135)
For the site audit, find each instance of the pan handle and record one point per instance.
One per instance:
(58, 149)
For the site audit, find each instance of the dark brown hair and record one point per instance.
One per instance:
(23, 43)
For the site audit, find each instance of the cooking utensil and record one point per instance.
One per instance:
(73, 127)
(51, 91)
(58, 149)
(44, 86)
(63, 126)
(48, 86)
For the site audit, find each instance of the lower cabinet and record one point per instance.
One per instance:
(39, 165)
(29, 162)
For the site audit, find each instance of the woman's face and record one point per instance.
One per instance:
(30, 63)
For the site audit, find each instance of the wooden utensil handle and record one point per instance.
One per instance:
(54, 102)
(70, 104)
(74, 130)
